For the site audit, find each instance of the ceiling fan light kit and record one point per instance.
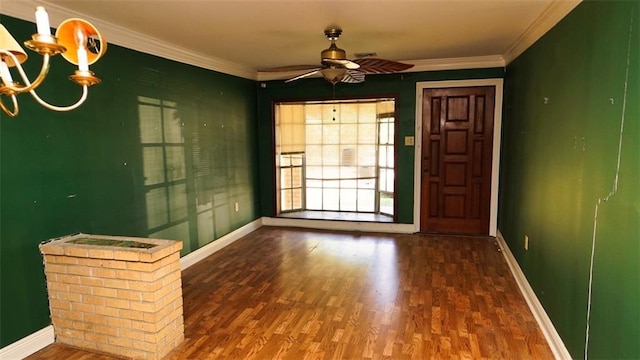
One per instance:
(335, 67)
(333, 74)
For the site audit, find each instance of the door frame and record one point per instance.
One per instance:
(497, 127)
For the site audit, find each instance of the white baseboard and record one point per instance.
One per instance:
(194, 257)
(340, 225)
(28, 345)
(556, 344)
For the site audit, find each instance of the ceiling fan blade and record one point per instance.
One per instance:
(289, 68)
(342, 62)
(309, 73)
(381, 66)
(353, 77)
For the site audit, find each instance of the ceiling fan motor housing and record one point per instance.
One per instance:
(333, 53)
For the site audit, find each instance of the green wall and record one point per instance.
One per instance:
(559, 160)
(84, 171)
(403, 86)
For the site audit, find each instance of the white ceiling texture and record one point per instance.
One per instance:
(240, 37)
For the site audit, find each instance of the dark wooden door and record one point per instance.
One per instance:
(457, 144)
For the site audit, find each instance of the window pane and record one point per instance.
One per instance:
(367, 155)
(330, 134)
(367, 113)
(314, 134)
(314, 172)
(285, 160)
(386, 203)
(382, 180)
(296, 199)
(314, 199)
(348, 184)
(348, 113)
(331, 172)
(313, 183)
(366, 200)
(367, 172)
(382, 156)
(390, 177)
(334, 184)
(348, 200)
(331, 155)
(367, 134)
(285, 200)
(313, 114)
(384, 133)
(285, 178)
(390, 157)
(348, 134)
(296, 177)
(331, 199)
(314, 155)
(348, 172)
(297, 159)
(367, 184)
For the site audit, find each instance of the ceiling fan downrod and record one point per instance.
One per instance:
(333, 52)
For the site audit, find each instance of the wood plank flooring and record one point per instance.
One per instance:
(283, 293)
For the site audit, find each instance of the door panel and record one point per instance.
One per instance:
(457, 152)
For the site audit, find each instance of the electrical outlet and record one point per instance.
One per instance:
(526, 242)
(236, 206)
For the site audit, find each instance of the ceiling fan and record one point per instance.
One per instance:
(335, 67)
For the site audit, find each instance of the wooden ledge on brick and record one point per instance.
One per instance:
(69, 246)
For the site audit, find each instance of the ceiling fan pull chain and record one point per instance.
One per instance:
(334, 103)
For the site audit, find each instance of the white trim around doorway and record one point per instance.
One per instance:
(495, 164)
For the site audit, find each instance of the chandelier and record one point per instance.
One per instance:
(77, 40)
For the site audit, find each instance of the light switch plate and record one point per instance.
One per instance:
(408, 140)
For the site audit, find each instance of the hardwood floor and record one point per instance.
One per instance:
(284, 293)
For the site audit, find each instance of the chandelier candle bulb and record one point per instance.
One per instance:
(83, 63)
(42, 21)
(81, 42)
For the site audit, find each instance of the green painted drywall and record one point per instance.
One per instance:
(83, 171)
(566, 98)
(402, 86)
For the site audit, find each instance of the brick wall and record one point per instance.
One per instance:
(121, 301)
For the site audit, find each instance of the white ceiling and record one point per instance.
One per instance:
(243, 36)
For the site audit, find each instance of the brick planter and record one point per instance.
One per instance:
(117, 295)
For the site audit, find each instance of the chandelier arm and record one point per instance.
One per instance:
(6, 110)
(85, 91)
(28, 84)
